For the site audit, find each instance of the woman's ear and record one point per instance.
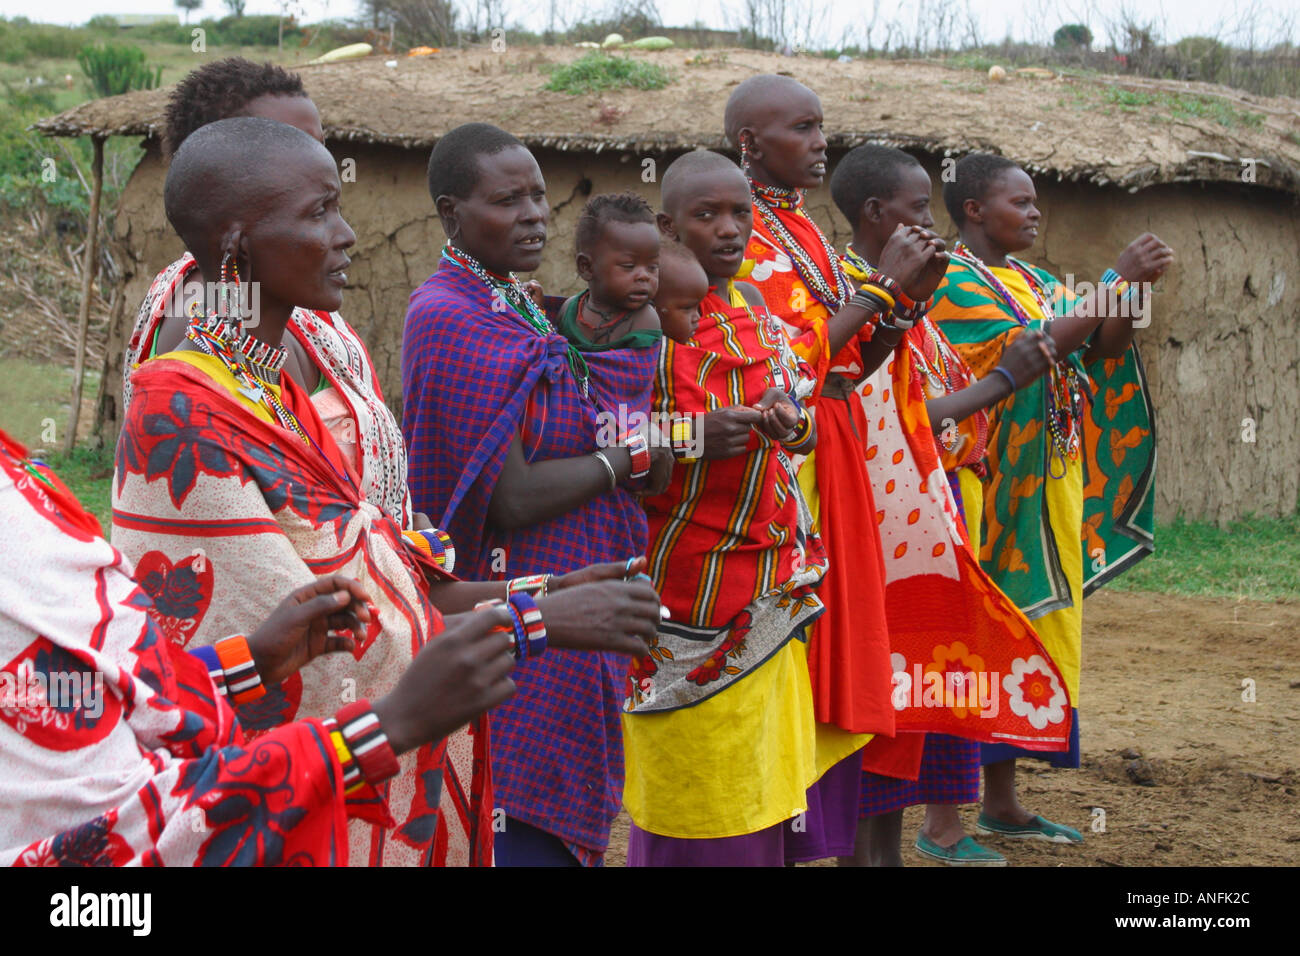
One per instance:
(665, 223)
(974, 211)
(446, 206)
(872, 210)
(746, 143)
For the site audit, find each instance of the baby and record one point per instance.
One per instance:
(618, 257)
(682, 287)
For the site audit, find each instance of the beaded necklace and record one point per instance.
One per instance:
(1064, 393)
(214, 336)
(604, 330)
(512, 293)
(833, 292)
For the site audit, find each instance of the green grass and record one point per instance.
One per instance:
(599, 71)
(1256, 559)
(88, 473)
(1182, 106)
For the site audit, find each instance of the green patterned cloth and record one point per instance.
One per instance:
(1119, 453)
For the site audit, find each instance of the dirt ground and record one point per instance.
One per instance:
(1186, 771)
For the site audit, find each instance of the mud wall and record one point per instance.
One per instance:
(1222, 351)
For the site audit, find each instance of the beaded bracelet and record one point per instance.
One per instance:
(352, 777)
(530, 617)
(801, 431)
(889, 284)
(911, 314)
(635, 443)
(534, 584)
(243, 682)
(681, 438)
(367, 742)
(515, 629)
(208, 655)
(435, 545)
(1123, 288)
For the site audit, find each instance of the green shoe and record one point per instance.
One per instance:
(965, 852)
(1036, 829)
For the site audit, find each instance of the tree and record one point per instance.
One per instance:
(115, 68)
(423, 22)
(189, 6)
(1072, 36)
(236, 7)
(377, 12)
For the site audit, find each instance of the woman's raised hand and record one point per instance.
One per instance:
(1030, 354)
(1145, 260)
(318, 618)
(606, 615)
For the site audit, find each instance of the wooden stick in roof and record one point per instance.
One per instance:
(88, 270)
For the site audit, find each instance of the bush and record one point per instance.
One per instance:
(252, 31)
(115, 68)
(1072, 36)
(599, 71)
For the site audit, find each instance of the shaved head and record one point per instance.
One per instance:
(675, 186)
(752, 96)
(232, 169)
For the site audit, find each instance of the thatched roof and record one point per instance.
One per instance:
(1132, 132)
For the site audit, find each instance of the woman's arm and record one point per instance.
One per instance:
(527, 494)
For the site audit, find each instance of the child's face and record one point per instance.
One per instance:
(789, 146)
(909, 205)
(1008, 215)
(622, 271)
(714, 220)
(682, 286)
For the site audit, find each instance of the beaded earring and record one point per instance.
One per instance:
(744, 157)
(229, 269)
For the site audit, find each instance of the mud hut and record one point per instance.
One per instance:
(1212, 170)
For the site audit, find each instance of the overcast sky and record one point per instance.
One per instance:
(1231, 20)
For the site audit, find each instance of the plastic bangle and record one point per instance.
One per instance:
(880, 293)
(1011, 379)
(613, 478)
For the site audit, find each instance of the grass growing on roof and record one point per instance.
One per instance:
(1256, 559)
(599, 71)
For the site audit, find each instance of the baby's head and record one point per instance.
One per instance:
(618, 250)
(682, 286)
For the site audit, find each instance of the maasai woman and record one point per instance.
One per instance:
(119, 748)
(326, 357)
(877, 189)
(230, 489)
(776, 123)
(720, 738)
(1091, 414)
(502, 418)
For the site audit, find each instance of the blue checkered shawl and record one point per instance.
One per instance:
(472, 379)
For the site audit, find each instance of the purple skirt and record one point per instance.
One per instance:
(950, 773)
(764, 848)
(829, 827)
